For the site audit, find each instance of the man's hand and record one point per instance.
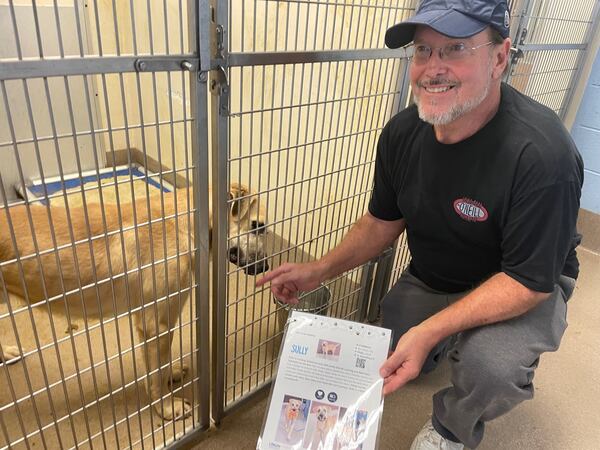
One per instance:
(290, 278)
(366, 239)
(405, 363)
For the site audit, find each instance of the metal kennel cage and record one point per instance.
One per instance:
(262, 117)
(304, 90)
(551, 39)
(101, 107)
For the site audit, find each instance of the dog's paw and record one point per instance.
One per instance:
(178, 372)
(10, 354)
(176, 409)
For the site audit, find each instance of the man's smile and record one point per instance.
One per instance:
(438, 89)
(437, 86)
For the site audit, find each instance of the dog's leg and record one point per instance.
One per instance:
(9, 354)
(178, 280)
(155, 325)
(178, 372)
(157, 339)
(315, 441)
(290, 429)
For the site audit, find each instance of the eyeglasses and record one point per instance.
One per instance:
(450, 52)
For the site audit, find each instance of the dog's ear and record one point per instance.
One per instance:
(245, 207)
(240, 202)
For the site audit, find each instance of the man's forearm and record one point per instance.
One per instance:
(499, 298)
(367, 238)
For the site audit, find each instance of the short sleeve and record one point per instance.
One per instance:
(383, 203)
(538, 234)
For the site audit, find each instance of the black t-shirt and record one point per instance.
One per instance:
(503, 200)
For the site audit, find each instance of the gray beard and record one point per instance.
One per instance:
(444, 118)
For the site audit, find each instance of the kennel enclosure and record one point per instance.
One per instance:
(111, 103)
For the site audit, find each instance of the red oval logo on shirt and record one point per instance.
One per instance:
(470, 210)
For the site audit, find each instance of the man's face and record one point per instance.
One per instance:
(446, 90)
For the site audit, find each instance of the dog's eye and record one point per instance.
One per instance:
(257, 226)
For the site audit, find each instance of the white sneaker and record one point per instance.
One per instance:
(429, 439)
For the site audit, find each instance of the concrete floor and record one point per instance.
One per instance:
(562, 416)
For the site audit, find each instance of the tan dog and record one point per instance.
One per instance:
(323, 425)
(329, 348)
(145, 263)
(293, 408)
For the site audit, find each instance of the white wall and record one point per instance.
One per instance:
(44, 109)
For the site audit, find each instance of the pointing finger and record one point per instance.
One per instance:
(270, 276)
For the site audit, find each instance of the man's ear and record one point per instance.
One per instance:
(501, 59)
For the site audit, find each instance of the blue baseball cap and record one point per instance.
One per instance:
(454, 18)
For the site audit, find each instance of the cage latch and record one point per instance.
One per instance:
(166, 64)
(220, 86)
(220, 46)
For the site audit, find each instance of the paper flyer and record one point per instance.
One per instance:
(327, 393)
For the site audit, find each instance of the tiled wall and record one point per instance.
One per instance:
(586, 132)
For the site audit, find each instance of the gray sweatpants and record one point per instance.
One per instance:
(492, 366)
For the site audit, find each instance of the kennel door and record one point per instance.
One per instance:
(103, 116)
(299, 102)
(551, 39)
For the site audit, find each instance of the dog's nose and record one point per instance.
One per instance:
(234, 255)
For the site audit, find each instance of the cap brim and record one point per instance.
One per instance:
(448, 22)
